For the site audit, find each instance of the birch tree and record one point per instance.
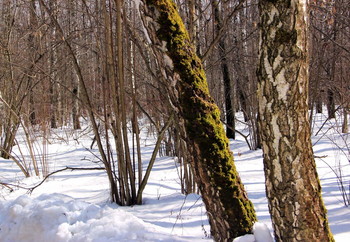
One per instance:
(292, 185)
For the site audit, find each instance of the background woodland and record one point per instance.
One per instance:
(63, 63)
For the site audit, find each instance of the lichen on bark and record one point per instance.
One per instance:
(292, 185)
(230, 212)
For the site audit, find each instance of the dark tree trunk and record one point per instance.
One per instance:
(75, 110)
(330, 104)
(230, 113)
(318, 105)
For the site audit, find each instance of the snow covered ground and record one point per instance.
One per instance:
(74, 206)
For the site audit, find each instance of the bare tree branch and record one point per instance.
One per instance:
(221, 32)
(30, 190)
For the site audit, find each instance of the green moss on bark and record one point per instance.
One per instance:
(202, 120)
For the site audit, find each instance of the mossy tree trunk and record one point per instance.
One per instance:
(230, 212)
(292, 185)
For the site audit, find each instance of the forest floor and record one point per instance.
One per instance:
(74, 205)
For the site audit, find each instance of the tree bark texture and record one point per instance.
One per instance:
(292, 185)
(230, 212)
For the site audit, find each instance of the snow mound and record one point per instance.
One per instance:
(261, 234)
(58, 218)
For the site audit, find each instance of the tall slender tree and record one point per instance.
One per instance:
(229, 112)
(292, 185)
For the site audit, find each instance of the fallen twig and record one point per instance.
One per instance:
(7, 186)
(30, 190)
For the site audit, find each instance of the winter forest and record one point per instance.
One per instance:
(173, 120)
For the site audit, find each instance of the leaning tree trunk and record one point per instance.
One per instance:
(230, 212)
(292, 185)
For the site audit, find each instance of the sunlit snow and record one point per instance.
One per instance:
(74, 205)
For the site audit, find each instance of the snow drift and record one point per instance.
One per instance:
(57, 218)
